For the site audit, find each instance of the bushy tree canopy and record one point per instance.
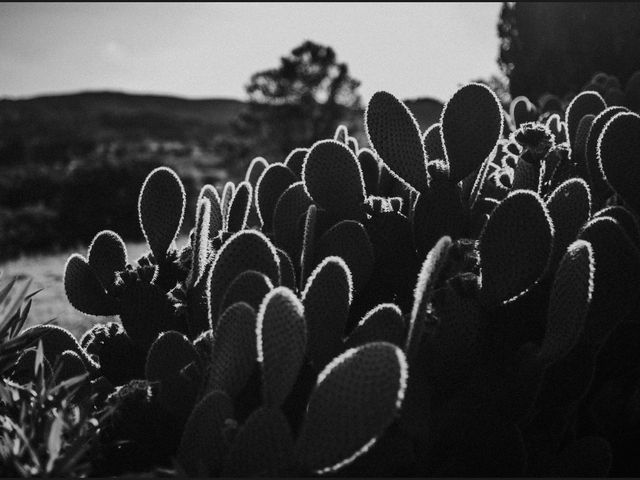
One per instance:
(302, 100)
(558, 47)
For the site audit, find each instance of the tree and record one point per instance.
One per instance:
(294, 105)
(558, 47)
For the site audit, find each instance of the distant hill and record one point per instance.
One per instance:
(42, 126)
(44, 129)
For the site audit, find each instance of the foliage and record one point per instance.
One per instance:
(15, 304)
(302, 100)
(47, 427)
(558, 47)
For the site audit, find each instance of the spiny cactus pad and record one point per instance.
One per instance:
(272, 183)
(233, 354)
(370, 170)
(333, 179)
(471, 123)
(570, 208)
(145, 312)
(228, 191)
(282, 342)
(84, 290)
(616, 279)
(216, 219)
(107, 255)
(326, 299)
(438, 212)
(584, 103)
(349, 240)
(341, 135)
(245, 250)
(619, 152)
(626, 219)
(201, 241)
(254, 171)
(71, 365)
(569, 302)
(453, 337)
(429, 273)
(307, 254)
(291, 206)
(262, 447)
(522, 111)
(432, 140)
(357, 397)
(395, 136)
(239, 207)
(249, 286)
(56, 340)
(203, 446)
(287, 270)
(295, 160)
(161, 209)
(599, 186)
(515, 246)
(383, 323)
(169, 354)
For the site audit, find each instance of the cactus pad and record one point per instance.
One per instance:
(471, 123)
(569, 302)
(333, 179)
(383, 323)
(233, 354)
(245, 250)
(570, 208)
(619, 152)
(616, 279)
(291, 206)
(282, 341)
(395, 136)
(358, 395)
(429, 274)
(239, 207)
(585, 103)
(169, 354)
(107, 255)
(272, 183)
(161, 209)
(84, 290)
(326, 299)
(295, 160)
(370, 168)
(515, 246)
(254, 171)
(349, 240)
(216, 219)
(249, 286)
(262, 447)
(203, 445)
(599, 186)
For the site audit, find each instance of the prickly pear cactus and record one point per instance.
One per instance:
(456, 301)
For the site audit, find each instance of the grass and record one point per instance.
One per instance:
(46, 272)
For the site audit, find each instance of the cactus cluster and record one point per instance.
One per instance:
(460, 301)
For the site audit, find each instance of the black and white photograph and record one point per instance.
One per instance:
(324, 239)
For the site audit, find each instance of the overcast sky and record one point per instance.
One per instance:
(210, 50)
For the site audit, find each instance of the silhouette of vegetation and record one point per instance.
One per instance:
(558, 47)
(305, 98)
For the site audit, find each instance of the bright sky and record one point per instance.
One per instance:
(210, 50)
